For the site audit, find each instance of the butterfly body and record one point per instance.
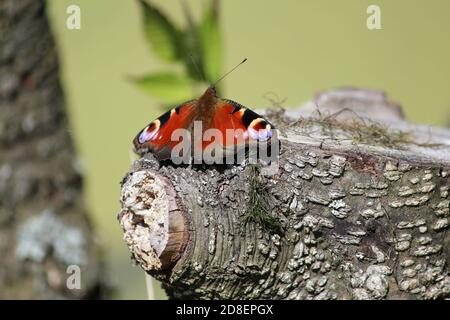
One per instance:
(231, 127)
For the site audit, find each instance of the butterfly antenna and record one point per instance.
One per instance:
(229, 72)
(197, 68)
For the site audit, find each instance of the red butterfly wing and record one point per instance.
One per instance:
(157, 136)
(247, 125)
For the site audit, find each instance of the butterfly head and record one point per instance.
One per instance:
(212, 90)
(208, 98)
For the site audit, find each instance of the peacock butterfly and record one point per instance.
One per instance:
(216, 126)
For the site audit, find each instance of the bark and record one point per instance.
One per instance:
(360, 201)
(44, 227)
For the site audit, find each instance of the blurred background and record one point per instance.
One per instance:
(294, 49)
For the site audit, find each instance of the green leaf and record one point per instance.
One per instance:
(211, 42)
(163, 37)
(166, 87)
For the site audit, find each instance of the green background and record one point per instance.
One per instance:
(295, 49)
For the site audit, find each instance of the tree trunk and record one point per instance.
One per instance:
(360, 202)
(46, 241)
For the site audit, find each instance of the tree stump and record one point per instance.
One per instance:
(358, 209)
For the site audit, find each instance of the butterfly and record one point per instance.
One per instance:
(209, 123)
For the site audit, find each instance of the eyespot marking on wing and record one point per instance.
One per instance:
(150, 131)
(260, 130)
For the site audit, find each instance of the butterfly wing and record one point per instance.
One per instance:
(247, 126)
(157, 136)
